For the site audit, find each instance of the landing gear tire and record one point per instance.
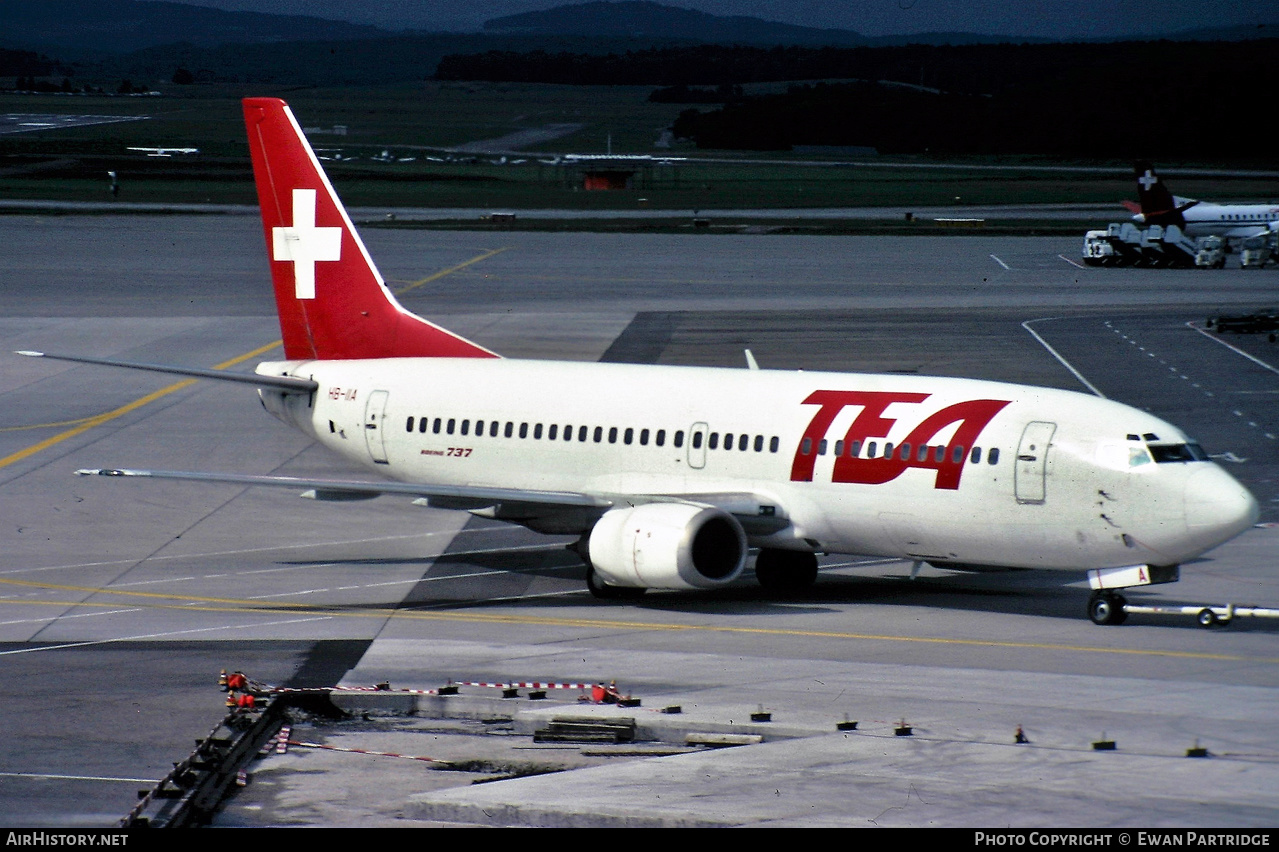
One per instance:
(1107, 609)
(785, 572)
(1207, 618)
(604, 592)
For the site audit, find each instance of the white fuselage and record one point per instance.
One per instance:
(1231, 221)
(980, 473)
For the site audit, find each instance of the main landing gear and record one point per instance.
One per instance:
(604, 592)
(785, 572)
(1107, 608)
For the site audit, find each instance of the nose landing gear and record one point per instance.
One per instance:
(1107, 608)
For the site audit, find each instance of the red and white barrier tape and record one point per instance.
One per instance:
(326, 747)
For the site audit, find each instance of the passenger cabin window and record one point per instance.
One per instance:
(679, 439)
(992, 457)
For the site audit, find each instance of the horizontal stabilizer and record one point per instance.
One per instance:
(284, 383)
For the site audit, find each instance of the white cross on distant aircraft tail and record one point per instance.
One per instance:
(1148, 180)
(304, 244)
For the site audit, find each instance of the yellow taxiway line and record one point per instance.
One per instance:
(193, 603)
(106, 417)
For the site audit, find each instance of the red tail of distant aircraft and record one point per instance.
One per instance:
(1158, 206)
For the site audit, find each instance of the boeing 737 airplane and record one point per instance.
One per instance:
(671, 475)
(1233, 222)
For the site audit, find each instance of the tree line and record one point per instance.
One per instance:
(1160, 99)
(964, 69)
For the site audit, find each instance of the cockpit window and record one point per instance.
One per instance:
(1169, 453)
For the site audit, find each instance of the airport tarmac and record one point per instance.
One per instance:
(121, 601)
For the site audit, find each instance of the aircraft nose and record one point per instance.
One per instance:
(1218, 507)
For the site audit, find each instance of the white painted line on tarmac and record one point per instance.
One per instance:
(1000, 262)
(53, 777)
(1071, 262)
(48, 618)
(146, 636)
(257, 550)
(1234, 349)
(1057, 355)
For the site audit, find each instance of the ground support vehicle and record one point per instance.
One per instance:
(1211, 253)
(1257, 251)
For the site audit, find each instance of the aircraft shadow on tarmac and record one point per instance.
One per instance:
(1060, 595)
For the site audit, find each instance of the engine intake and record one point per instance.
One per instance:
(667, 546)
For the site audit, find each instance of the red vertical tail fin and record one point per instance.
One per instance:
(1157, 204)
(333, 303)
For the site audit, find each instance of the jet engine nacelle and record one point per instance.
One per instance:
(667, 546)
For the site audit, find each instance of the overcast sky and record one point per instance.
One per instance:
(1049, 18)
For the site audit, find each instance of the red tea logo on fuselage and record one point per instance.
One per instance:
(972, 416)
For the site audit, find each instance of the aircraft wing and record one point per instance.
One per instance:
(345, 489)
(567, 510)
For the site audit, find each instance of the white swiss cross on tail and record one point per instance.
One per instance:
(303, 244)
(1148, 179)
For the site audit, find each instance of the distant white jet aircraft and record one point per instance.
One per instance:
(166, 152)
(1234, 222)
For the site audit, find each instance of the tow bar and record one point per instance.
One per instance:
(1207, 616)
